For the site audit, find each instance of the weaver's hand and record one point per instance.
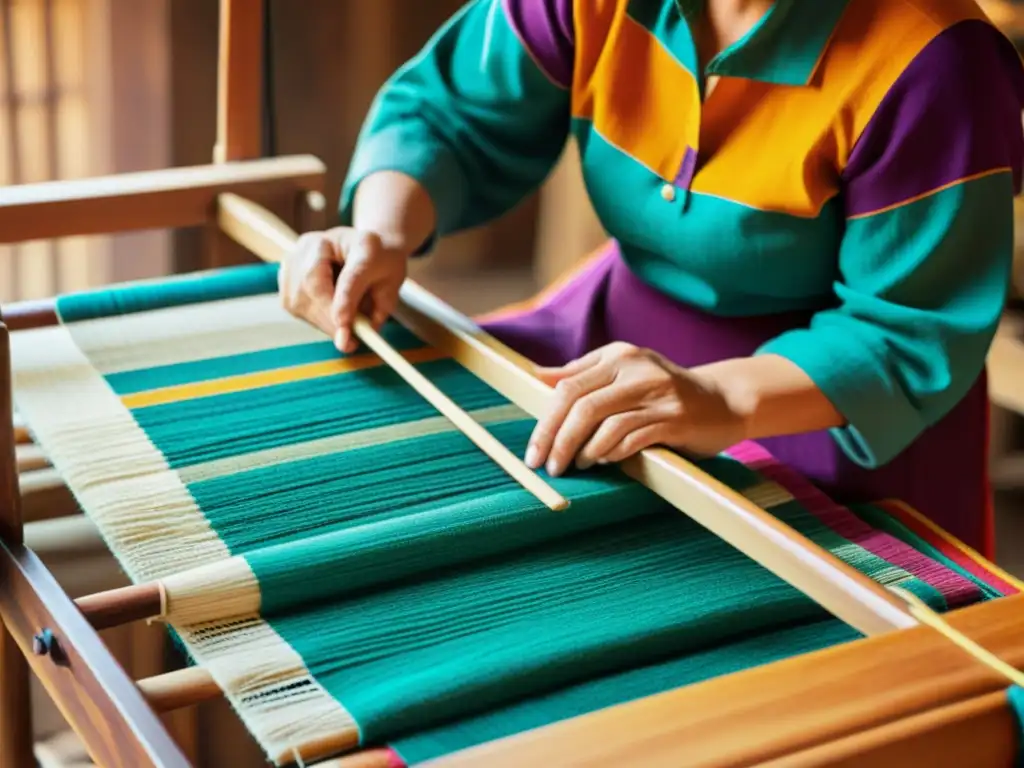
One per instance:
(618, 400)
(369, 277)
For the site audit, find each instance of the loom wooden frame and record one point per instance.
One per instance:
(923, 707)
(932, 691)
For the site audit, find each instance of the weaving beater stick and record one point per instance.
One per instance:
(270, 238)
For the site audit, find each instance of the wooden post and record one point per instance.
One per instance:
(239, 78)
(239, 104)
(15, 700)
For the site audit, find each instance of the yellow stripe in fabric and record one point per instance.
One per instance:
(249, 381)
(768, 494)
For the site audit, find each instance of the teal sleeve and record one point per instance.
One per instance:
(473, 118)
(921, 291)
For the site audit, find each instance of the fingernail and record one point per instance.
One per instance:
(553, 469)
(602, 462)
(532, 457)
(338, 341)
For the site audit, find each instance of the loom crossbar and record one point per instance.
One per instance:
(174, 197)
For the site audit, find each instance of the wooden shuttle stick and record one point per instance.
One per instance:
(269, 238)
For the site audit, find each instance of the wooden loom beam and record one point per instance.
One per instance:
(171, 198)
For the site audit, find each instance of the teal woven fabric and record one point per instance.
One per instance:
(430, 595)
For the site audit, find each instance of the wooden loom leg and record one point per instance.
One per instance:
(16, 734)
(15, 705)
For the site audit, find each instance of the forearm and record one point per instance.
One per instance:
(772, 395)
(395, 207)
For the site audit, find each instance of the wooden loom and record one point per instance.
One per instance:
(940, 706)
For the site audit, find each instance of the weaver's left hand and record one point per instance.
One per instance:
(618, 400)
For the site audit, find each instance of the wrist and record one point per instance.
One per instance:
(770, 396)
(396, 209)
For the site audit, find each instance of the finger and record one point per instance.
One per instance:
(552, 375)
(612, 431)
(384, 299)
(584, 419)
(636, 441)
(353, 283)
(317, 287)
(567, 392)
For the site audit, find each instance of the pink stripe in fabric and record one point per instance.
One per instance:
(956, 590)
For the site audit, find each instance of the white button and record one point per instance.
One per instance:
(668, 193)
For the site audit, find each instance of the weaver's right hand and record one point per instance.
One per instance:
(329, 277)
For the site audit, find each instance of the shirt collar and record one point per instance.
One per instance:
(784, 48)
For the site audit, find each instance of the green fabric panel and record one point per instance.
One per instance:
(126, 299)
(394, 480)
(915, 318)
(878, 518)
(130, 382)
(469, 638)
(225, 425)
(417, 538)
(471, 117)
(715, 270)
(746, 652)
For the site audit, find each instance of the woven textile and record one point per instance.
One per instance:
(345, 562)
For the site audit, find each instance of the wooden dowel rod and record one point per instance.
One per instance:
(179, 689)
(45, 495)
(21, 434)
(268, 237)
(115, 607)
(25, 315)
(483, 439)
(30, 457)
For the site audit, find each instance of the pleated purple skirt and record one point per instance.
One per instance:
(943, 474)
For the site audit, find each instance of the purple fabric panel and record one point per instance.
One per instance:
(954, 112)
(546, 29)
(687, 169)
(942, 474)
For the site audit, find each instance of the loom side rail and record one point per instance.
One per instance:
(171, 198)
(904, 693)
(92, 691)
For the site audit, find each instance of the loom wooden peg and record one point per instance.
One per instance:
(30, 456)
(269, 238)
(179, 689)
(115, 607)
